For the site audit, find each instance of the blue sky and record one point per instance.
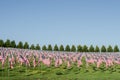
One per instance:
(64, 22)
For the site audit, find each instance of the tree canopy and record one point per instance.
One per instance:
(97, 49)
(49, 47)
(20, 45)
(37, 47)
(79, 48)
(67, 48)
(73, 48)
(32, 47)
(56, 48)
(7, 43)
(85, 48)
(61, 48)
(1, 43)
(26, 45)
(109, 49)
(13, 44)
(44, 47)
(116, 49)
(91, 48)
(103, 49)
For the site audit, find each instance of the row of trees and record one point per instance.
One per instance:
(73, 48)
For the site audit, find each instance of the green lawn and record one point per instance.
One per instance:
(42, 72)
(61, 73)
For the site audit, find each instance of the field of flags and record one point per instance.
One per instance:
(33, 58)
(59, 60)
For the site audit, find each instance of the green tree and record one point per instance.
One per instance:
(85, 48)
(61, 48)
(38, 47)
(1, 43)
(44, 47)
(7, 43)
(116, 49)
(13, 44)
(109, 49)
(73, 48)
(56, 48)
(67, 48)
(103, 48)
(26, 45)
(20, 45)
(79, 48)
(32, 47)
(49, 47)
(91, 48)
(97, 49)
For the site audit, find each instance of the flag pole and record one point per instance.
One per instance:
(8, 66)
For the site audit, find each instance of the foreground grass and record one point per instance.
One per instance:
(61, 73)
(42, 72)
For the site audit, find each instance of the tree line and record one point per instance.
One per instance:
(73, 48)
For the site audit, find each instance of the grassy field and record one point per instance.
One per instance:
(42, 72)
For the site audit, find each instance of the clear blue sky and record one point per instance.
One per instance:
(64, 22)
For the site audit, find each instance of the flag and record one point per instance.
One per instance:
(3, 58)
(99, 62)
(27, 61)
(56, 62)
(79, 62)
(21, 59)
(106, 62)
(46, 62)
(3, 62)
(60, 61)
(0, 58)
(68, 63)
(34, 61)
(10, 61)
(74, 59)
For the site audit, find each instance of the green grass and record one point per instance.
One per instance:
(43, 72)
(62, 73)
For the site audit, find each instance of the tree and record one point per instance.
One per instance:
(49, 47)
(109, 49)
(1, 43)
(73, 48)
(116, 49)
(32, 47)
(103, 49)
(44, 47)
(56, 48)
(20, 45)
(7, 43)
(97, 49)
(13, 44)
(61, 48)
(26, 45)
(91, 49)
(85, 48)
(79, 48)
(67, 48)
(37, 47)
